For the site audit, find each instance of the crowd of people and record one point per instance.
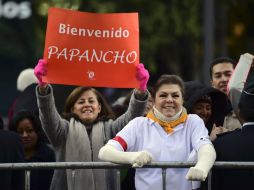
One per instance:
(172, 120)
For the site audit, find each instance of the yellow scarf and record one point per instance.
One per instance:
(168, 126)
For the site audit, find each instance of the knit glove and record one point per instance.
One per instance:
(206, 159)
(136, 159)
(40, 70)
(142, 76)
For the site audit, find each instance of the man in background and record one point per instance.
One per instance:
(237, 146)
(221, 70)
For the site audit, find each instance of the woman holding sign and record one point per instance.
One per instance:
(167, 133)
(87, 124)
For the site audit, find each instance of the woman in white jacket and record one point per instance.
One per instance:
(167, 133)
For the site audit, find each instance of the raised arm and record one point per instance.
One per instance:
(54, 126)
(238, 79)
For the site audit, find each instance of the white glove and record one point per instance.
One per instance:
(240, 73)
(137, 159)
(247, 58)
(206, 159)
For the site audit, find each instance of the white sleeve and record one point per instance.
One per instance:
(206, 159)
(238, 79)
(126, 139)
(137, 159)
(199, 133)
(121, 149)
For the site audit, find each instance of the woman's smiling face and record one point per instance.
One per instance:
(203, 110)
(169, 99)
(87, 107)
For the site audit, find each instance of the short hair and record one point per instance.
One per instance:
(220, 60)
(246, 102)
(246, 114)
(168, 79)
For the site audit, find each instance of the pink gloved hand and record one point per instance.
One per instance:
(142, 76)
(40, 70)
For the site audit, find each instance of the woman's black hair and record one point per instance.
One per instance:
(26, 114)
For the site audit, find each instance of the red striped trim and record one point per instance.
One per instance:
(121, 141)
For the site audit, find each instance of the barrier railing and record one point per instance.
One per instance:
(108, 165)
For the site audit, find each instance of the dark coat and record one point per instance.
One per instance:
(41, 178)
(11, 151)
(195, 90)
(237, 145)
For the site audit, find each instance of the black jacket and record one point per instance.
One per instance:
(11, 151)
(233, 146)
(41, 178)
(195, 90)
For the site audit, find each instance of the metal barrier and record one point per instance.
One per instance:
(108, 165)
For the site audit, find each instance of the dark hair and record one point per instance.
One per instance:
(106, 111)
(246, 114)
(205, 99)
(168, 79)
(246, 102)
(36, 123)
(1, 123)
(195, 91)
(120, 108)
(220, 60)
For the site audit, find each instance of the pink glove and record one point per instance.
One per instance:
(40, 70)
(142, 76)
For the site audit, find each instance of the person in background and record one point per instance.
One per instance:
(11, 152)
(221, 70)
(25, 79)
(238, 145)
(28, 126)
(179, 136)
(209, 104)
(121, 104)
(87, 124)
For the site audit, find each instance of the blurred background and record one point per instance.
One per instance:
(176, 37)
